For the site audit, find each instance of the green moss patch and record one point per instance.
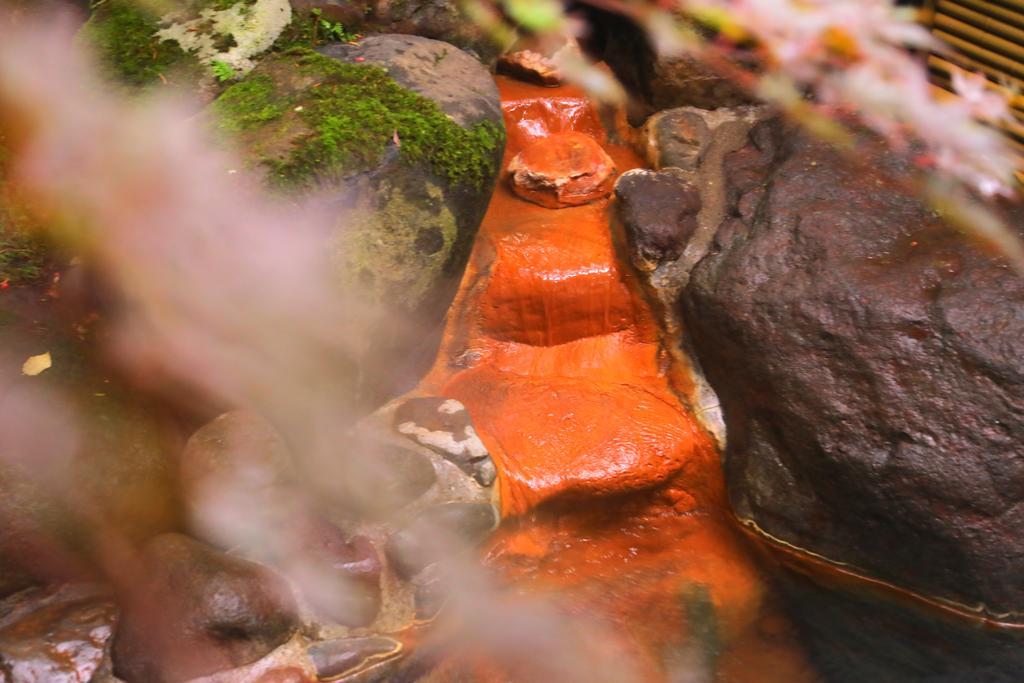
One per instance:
(124, 35)
(248, 104)
(23, 255)
(350, 114)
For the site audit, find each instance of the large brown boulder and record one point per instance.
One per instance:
(870, 365)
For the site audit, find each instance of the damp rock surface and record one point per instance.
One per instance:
(659, 212)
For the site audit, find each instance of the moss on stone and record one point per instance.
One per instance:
(124, 34)
(248, 104)
(396, 250)
(352, 115)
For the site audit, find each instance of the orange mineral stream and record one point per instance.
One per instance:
(612, 494)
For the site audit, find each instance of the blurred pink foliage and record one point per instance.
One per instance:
(225, 286)
(853, 54)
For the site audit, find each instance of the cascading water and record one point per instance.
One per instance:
(611, 490)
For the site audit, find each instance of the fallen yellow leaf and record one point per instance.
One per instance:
(36, 364)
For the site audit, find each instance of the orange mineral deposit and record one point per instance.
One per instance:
(612, 491)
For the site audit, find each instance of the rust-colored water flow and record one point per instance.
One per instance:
(612, 492)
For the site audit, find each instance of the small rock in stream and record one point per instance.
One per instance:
(443, 425)
(561, 170)
(336, 658)
(659, 211)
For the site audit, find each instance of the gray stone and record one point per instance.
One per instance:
(435, 69)
(443, 425)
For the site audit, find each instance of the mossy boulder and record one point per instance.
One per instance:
(405, 136)
(190, 44)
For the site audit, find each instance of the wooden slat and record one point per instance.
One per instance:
(999, 28)
(978, 53)
(989, 9)
(1015, 5)
(980, 37)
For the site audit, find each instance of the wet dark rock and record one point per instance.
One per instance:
(853, 637)
(659, 211)
(56, 635)
(354, 556)
(347, 656)
(438, 532)
(529, 66)
(240, 465)
(563, 169)
(869, 364)
(198, 611)
(444, 426)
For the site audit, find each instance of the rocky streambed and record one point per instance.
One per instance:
(693, 399)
